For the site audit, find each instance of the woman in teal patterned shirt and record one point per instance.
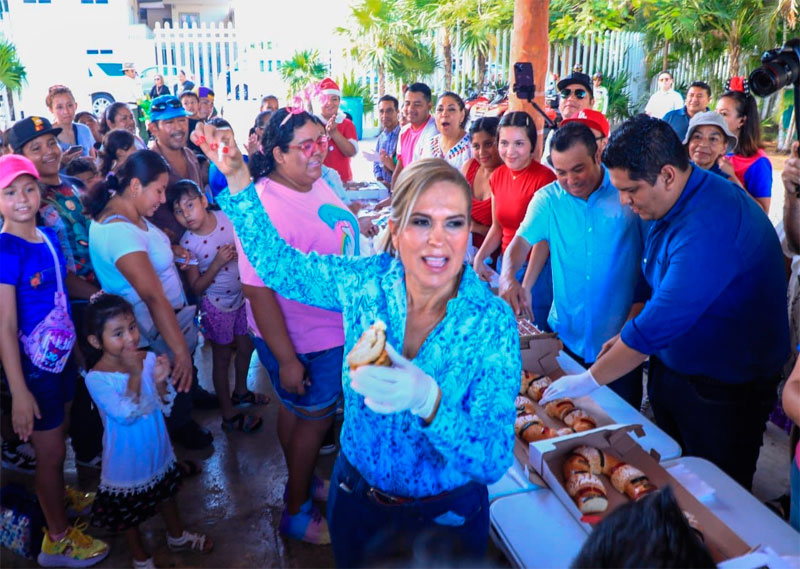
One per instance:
(422, 439)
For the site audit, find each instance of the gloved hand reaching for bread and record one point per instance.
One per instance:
(570, 386)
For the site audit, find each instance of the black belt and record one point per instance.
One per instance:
(377, 496)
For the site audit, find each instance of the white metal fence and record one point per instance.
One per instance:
(205, 52)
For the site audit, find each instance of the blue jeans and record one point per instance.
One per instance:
(369, 529)
(324, 369)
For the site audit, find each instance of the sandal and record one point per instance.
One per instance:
(241, 422)
(188, 468)
(190, 541)
(249, 398)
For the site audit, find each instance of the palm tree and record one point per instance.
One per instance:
(480, 32)
(12, 73)
(373, 36)
(304, 68)
(382, 36)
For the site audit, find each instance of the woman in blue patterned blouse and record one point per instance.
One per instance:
(422, 439)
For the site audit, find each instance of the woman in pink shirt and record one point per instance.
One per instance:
(301, 346)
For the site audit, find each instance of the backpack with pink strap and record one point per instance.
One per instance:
(50, 343)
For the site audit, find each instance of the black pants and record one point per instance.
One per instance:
(629, 386)
(85, 425)
(723, 423)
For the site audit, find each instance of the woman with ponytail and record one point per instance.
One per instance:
(750, 162)
(300, 346)
(134, 259)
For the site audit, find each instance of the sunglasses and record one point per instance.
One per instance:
(309, 146)
(162, 106)
(579, 93)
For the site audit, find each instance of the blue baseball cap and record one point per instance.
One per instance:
(166, 107)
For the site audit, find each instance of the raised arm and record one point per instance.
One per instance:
(314, 279)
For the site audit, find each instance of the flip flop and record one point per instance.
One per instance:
(249, 398)
(242, 422)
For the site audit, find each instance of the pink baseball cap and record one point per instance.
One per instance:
(13, 166)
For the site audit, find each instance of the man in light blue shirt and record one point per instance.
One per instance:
(595, 245)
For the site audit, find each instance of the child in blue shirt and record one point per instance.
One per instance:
(36, 340)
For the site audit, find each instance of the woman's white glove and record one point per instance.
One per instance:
(402, 387)
(570, 386)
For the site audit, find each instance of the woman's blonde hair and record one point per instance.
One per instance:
(412, 183)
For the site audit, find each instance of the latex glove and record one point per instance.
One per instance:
(403, 387)
(570, 386)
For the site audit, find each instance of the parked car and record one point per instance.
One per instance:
(105, 79)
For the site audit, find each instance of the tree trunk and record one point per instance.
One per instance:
(665, 61)
(447, 51)
(381, 81)
(734, 50)
(10, 105)
(530, 42)
(481, 72)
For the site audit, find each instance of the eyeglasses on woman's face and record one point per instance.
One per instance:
(308, 147)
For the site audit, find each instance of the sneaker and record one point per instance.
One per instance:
(192, 436)
(96, 462)
(78, 503)
(307, 525)
(76, 549)
(325, 450)
(18, 457)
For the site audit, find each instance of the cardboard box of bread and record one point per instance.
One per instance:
(559, 418)
(593, 473)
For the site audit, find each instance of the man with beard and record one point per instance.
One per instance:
(170, 127)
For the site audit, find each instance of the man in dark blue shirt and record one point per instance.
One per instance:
(697, 99)
(716, 326)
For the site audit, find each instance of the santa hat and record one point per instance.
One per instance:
(329, 87)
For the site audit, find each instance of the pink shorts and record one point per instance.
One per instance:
(220, 326)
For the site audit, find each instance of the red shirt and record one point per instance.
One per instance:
(513, 191)
(335, 158)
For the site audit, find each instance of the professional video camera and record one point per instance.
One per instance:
(780, 67)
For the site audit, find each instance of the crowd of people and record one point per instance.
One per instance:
(645, 248)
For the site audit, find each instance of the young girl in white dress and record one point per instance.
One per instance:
(132, 391)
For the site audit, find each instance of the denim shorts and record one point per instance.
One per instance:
(52, 391)
(325, 372)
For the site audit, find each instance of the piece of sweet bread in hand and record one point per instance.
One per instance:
(370, 348)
